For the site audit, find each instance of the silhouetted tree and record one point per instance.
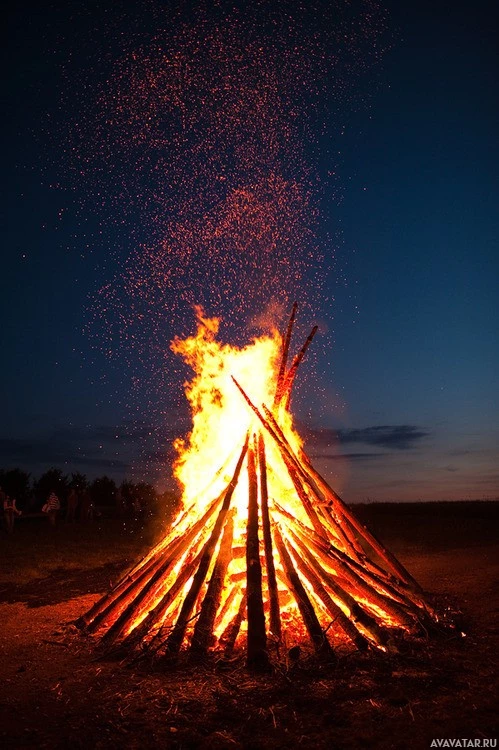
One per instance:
(79, 482)
(16, 484)
(52, 481)
(128, 493)
(102, 491)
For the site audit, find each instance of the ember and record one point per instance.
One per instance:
(265, 555)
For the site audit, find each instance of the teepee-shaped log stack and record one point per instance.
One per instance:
(275, 578)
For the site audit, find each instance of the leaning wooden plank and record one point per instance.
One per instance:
(229, 636)
(275, 615)
(111, 605)
(256, 646)
(395, 566)
(312, 624)
(284, 356)
(203, 630)
(291, 374)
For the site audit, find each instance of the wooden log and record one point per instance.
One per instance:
(306, 609)
(357, 615)
(284, 356)
(229, 636)
(275, 615)
(286, 452)
(352, 584)
(256, 656)
(203, 630)
(390, 560)
(226, 606)
(291, 374)
(339, 617)
(131, 604)
(330, 553)
(291, 460)
(113, 603)
(157, 614)
(174, 640)
(302, 494)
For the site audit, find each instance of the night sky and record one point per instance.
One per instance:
(379, 202)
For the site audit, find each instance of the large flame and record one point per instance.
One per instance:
(221, 418)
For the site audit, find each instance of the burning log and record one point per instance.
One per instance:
(284, 357)
(257, 657)
(229, 637)
(395, 566)
(203, 631)
(275, 617)
(290, 377)
(307, 611)
(122, 601)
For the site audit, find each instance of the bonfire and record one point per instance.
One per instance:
(265, 558)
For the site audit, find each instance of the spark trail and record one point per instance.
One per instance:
(203, 143)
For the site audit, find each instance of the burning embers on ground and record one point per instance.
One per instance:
(265, 556)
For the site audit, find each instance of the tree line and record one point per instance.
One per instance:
(31, 493)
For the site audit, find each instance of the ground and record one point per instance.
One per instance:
(57, 693)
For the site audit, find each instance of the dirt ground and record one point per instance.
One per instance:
(56, 693)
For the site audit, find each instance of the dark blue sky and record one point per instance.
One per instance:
(406, 381)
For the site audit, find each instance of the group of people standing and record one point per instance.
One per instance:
(77, 504)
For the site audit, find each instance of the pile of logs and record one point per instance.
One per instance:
(341, 582)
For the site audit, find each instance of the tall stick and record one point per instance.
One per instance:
(395, 566)
(284, 356)
(312, 624)
(143, 593)
(339, 617)
(157, 613)
(275, 615)
(257, 657)
(290, 377)
(341, 585)
(203, 630)
(229, 636)
(291, 460)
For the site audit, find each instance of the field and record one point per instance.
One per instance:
(56, 692)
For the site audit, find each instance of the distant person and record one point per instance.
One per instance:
(85, 504)
(137, 507)
(10, 512)
(52, 508)
(119, 502)
(72, 506)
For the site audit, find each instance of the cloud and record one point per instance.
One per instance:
(346, 456)
(399, 437)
